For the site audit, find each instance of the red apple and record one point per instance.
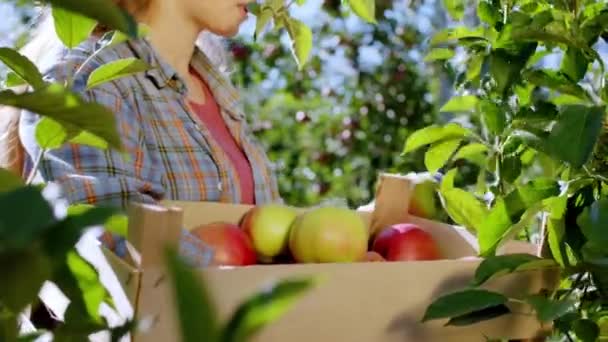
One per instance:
(406, 242)
(385, 237)
(231, 245)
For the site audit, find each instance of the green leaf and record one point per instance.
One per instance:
(556, 228)
(116, 223)
(264, 308)
(31, 337)
(599, 273)
(263, 18)
(23, 273)
(22, 67)
(13, 80)
(458, 33)
(254, 8)
(465, 103)
(556, 81)
(92, 292)
(18, 227)
(564, 323)
(474, 66)
(479, 316)
(86, 138)
(50, 134)
(68, 109)
(447, 182)
(433, 134)
(510, 168)
(504, 264)
(439, 154)
(439, 54)
(475, 153)
(196, 313)
(548, 310)
(565, 100)
(9, 181)
(365, 9)
(118, 37)
(586, 330)
(489, 12)
(506, 67)
(80, 282)
(115, 70)
(106, 12)
(455, 8)
(464, 208)
(524, 94)
(594, 222)
(72, 28)
(494, 116)
(301, 38)
(575, 64)
(542, 111)
(579, 126)
(514, 212)
(462, 303)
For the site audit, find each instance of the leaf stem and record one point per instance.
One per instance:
(577, 281)
(35, 167)
(596, 176)
(568, 336)
(515, 300)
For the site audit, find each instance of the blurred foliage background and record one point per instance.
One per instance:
(333, 126)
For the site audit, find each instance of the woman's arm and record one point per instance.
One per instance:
(91, 175)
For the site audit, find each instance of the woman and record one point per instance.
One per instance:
(180, 122)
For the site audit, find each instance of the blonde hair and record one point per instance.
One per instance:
(45, 43)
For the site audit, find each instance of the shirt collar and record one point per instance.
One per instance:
(223, 91)
(163, 75)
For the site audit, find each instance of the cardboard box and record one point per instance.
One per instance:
(357, 302)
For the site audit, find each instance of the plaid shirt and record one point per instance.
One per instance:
(172, 155)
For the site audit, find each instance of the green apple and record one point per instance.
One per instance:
(268, 228)
(327, 235)
(423, 202)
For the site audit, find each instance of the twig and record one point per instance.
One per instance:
(568, 337)
(596, 176)
(32, 174)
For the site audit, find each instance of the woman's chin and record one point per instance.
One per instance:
(227, 33)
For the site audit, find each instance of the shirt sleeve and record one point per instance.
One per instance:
(95, 176)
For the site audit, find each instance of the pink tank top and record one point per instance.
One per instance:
(210, 115)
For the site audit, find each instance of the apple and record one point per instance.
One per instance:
(384, 238)
(328, 234)
(424, 200)
(406, 242)
(372, 256)
(230, 244)
(268, 228)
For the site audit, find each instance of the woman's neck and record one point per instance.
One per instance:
(173, 34)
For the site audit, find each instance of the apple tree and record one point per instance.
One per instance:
(538, 138)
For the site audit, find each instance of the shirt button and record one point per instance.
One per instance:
(219, 186)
